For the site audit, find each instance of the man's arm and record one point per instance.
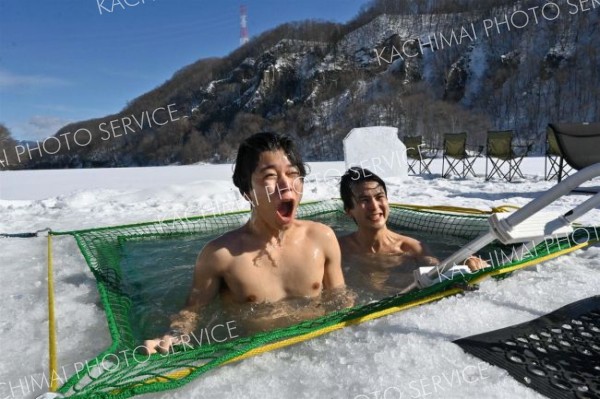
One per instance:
(421, 252)
(427, 259)
(333, 276)
(337, 295)
(205, 286)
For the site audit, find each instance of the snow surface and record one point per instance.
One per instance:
(399, 356)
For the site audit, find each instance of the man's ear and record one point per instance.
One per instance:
(248, 198)
(347, 211)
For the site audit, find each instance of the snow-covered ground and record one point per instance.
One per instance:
(406, 355)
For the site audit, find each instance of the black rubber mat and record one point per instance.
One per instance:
(558, 354)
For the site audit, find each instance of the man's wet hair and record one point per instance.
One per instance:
(249, 154)
(354, 176)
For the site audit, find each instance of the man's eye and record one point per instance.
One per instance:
(294, 173)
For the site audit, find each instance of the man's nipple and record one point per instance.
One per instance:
(251, 298)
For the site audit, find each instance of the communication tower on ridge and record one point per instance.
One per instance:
(243, 25)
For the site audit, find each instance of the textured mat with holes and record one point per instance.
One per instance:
(558, 354)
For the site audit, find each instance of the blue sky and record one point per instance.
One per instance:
(69, 60)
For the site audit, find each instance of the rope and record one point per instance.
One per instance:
(455, 209)
(24, 235)
(52, 360)
(504, 208)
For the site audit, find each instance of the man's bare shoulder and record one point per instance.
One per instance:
(229, 238)
(411, 245)
(217, 253)
(316, 229)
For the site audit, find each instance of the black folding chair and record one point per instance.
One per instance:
(500, 152)
(558, 167)
(578, 143)
(455, 154)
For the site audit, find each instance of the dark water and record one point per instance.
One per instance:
(158, 275)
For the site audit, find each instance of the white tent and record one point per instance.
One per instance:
(378, 149)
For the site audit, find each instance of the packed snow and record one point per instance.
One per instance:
(406, 355)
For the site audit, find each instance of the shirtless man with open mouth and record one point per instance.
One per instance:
(274, 256)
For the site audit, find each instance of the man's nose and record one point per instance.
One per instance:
(284, 182)
(372, 204)
(284, 186)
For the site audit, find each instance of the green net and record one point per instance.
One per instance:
(123, 258)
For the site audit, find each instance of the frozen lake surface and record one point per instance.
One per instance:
(405, 355)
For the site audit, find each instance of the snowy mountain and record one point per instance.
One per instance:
(511, 65)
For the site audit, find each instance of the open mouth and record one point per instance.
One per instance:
(286, 208)
(376, 217)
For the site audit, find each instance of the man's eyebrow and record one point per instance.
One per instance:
(378, 193)
(273, 166)
(270, 166)
(363, 196)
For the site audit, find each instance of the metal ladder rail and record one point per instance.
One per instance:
(519, 216)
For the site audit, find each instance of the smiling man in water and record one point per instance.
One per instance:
(273, 256)
(381, 257)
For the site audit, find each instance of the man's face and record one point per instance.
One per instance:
(276, 189)
(371, 208)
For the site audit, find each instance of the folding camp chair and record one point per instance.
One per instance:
(578, 143)
(412, 153)
(418, 154)
(500, 152)
(554, 165)
(455, 154)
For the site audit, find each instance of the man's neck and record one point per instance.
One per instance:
(264, 231)
(374, 240)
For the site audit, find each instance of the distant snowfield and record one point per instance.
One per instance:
(399, 356)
